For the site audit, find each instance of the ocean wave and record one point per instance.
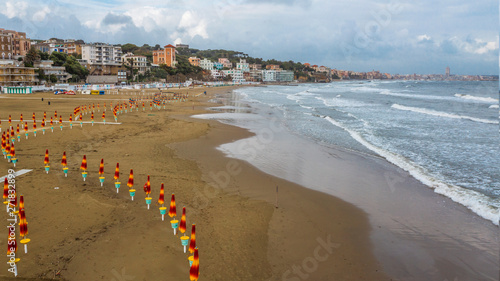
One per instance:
(431, 97)
(480, 204)
(442, 114)
(339, 102)
(493, 106)
(476, 98)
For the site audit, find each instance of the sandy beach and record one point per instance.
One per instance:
(82, 231)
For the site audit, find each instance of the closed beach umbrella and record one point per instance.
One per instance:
(117, 172)
(161, 201)
(6, 191)
(23, 225)
(130, 184)
(182, 226)
(46, 161)
(101, 172)
(172, 212)
(192, 243)
(147, 190)
(194, 271)
(83, 167)
(21, 118)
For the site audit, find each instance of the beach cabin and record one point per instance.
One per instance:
(85, 92)
(17, 90)
(101, 92)
(94, 92)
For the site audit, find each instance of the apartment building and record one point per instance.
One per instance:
(137, 62)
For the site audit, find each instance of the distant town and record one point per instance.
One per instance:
(29, 62)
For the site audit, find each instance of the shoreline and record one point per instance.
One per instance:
(396, 190)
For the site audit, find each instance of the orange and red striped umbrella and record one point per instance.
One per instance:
(26, 127)
(70, 118)
(51, 121)
(84, 163)
(103, 114)
(12, 151)
(46, 160)
(172, 212)
(147, 187)
(80, 116)
(44, 115)
(92, 116)
(17, 131)
(117, 172)
(5, 189)
(10, 119)
(130, 182)
(43, 123)
(192, 243)
(64, 161)
(7, 146)
(101, 167)
(161, 200)
(55, 114)
(23, 225)
(34, 124)
(60, 119)
(194, 271)
(33, 116)
(21, 118)
(182, 226)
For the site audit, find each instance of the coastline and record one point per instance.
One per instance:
(403, 212)
(81, 231)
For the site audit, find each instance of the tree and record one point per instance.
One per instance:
(53, 78)
(75, 68)
(31, 57)
(129, 48)
(43, 55)
(58, 58)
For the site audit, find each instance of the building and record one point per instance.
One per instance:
(6, 46)
(447, 71)
(12, 75)
(207, 64)
(268, 75)
(102, 54)
(243, 66)
(137, 62)
(20, 44)
(182, 46)
(284, 76)
(273, 67)
(236, 75)
(218, 65)
(49, 69)
(165, 56)
(217, 74)
(72, 47)
(194, 61)
(255, 66)
(254, 75)
(226, 63)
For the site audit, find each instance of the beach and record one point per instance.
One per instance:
(82, 231)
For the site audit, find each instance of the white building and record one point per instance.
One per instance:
(138, 62)
(100, 53)
(236, 74)
(243, 66)
(217, 74)
(49, 69)
(269, 75)
(207, 64)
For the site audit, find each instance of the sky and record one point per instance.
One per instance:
(393, 36)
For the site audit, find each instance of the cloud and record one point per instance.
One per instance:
(418, 38)
(15, 9)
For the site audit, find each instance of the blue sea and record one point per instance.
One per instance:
(444, 133)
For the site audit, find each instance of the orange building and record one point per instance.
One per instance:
(165, 56)
(194, 61)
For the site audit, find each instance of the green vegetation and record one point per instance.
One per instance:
(71, 64)
(31, 57)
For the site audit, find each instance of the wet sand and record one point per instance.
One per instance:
(82, 231)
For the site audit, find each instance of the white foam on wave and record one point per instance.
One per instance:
(431, 97)
(476, 98)
(442, 114)
(339, 102)
(493, 106)
(479, 203)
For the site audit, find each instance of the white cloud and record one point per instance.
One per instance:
(424, 37)
(193, 25)
(41, 14)
(15, 9)
(489, 46)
